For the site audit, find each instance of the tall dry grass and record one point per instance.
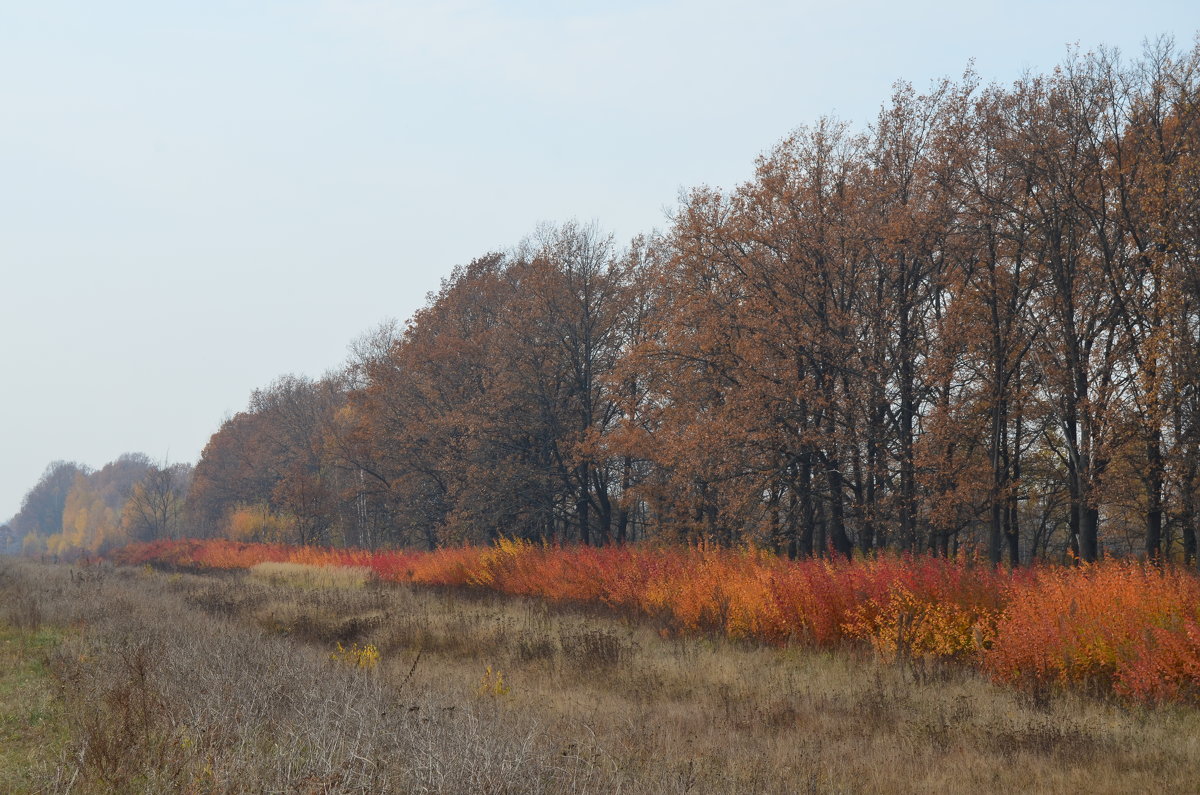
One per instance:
(303, 575)
(166, 690)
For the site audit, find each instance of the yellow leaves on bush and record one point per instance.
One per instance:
(906, 626)
(362, 657)
(492, 684)
(255, 523)
(497, 559)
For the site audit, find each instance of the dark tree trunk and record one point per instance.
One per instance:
(908, 478)
(583, 509)
(999, 433)
(1189, 533)
(1154, 498)
(1089, 534)
(808, 516)
(1012, 523)
(1074, 489)
(604, 517)
(837, 510)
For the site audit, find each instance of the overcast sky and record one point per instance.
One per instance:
(196, 197)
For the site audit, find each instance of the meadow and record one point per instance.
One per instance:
(290, 676)
(1121, 629)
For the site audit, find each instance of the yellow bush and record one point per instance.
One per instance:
(492, 684)
(365, 657)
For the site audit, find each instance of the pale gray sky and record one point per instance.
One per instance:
(196, 197)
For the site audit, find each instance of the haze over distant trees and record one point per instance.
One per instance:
(73, 509)
(974, 326)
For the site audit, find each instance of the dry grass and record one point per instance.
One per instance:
(225, 684)
(161, 696)
(301, 576)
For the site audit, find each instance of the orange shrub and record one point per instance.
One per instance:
(1120, 627)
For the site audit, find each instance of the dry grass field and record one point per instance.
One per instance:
(284, 679)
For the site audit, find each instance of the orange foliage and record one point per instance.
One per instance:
(1123, 627)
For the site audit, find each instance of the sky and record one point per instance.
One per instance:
(197, 197)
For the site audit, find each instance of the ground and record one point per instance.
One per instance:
(295, 680)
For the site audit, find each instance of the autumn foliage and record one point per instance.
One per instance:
(1128, 629)
(1118, 626)
(970, 328)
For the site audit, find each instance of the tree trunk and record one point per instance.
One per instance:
(1012, 524)
(837, 509)
(1154, 498)
(582, 507)
(808, 516)
(999, 433)
(1089, 534)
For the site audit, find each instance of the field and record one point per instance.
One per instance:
(289, 678)
(1117, 628)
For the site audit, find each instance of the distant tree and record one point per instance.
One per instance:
(273, 454)
(421, 418)
(42, 508)
(562, 334)
(1147, 165)
(296, 414)
(233, 470)
(91, 520)
(155, 508)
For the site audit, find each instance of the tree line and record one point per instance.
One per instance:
(76, 510)
(974, 326)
